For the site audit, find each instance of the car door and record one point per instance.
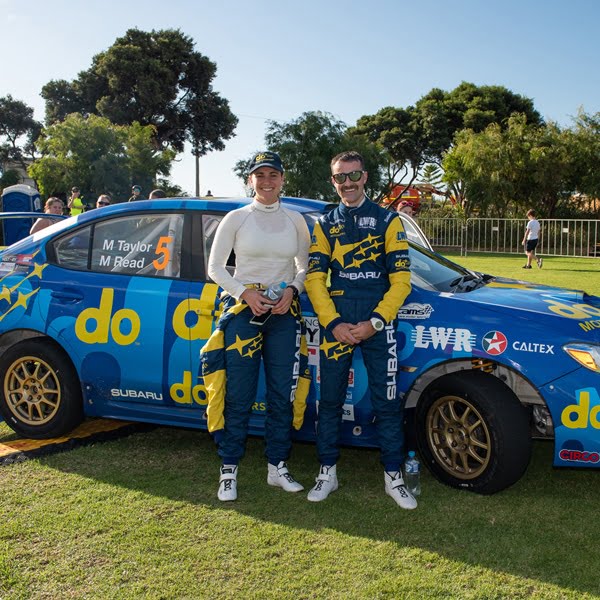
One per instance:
(120, 303)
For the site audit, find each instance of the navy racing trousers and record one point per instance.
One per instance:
(277, 341)
(380, 358)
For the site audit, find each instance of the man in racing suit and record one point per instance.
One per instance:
(364, 248)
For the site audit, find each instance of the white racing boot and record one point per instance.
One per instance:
(394, 487)
(279, 476)
(326, 483)
(228, 483)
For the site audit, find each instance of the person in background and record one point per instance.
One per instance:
(156, 194)
(271, 246)
(136, 191)
(103, 200)
(530, 240)
(406, 207)
(53, 206)
(361, 248)
(75, 204)
(208, 194)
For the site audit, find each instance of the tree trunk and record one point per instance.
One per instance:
(197, 159)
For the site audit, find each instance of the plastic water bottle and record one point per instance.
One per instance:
(412, 474)
(274, 292)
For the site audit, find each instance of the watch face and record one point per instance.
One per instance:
(377, 324)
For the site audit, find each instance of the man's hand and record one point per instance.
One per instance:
(362, 330)
(258, 304)
(343, 333)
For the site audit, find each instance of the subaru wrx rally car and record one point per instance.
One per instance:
(104, 314)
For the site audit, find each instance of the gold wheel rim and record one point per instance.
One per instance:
(459, 438)
(32, 390)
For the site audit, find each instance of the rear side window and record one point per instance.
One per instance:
(134, 245)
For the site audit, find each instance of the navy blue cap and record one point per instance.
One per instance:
(265, 159)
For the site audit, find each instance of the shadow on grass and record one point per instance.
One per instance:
(545, 527)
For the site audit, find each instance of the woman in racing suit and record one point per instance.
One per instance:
(271, 246)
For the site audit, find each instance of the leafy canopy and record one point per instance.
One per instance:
(307, 145)
(18, 130)
(153, 78)
(98, 157)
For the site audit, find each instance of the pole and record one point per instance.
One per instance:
(197, 158)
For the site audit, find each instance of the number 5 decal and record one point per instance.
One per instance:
(163, 248)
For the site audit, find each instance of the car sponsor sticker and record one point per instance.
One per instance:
(579, 456)
(459, 340)
(494, 343)
(414, 310)
(533, 347)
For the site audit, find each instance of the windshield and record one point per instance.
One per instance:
(432, 271)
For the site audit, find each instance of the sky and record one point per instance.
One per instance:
(277, 60)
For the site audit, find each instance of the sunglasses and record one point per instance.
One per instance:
(103, 203)
(353, 176)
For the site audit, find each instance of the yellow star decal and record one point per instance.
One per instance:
(5, 294)
(359, 261)
(253, 344)
(37, 270)
(335, 349)
(340, 251)
(21, 301)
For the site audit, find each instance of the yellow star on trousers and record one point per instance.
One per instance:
(251, 345)
(335, 349)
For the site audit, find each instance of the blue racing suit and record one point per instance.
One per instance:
(365, 251)
(230, 367)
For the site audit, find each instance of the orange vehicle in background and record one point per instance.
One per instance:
(399, 193)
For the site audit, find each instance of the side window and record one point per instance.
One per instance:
(72, 250)
(138, 245)
(209, 227)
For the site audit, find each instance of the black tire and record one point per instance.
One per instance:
(40, 396)
(472, 432)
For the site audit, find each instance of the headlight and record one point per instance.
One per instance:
(587, 355)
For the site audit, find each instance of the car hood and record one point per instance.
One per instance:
(515, 295)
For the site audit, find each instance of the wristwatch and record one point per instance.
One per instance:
(378, 324)
(294, 290)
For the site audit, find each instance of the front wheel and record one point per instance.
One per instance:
(41, 396)
(472, 432)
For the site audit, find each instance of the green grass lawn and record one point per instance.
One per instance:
(139, 518)
(573, 273)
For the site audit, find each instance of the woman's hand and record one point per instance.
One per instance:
(258, 304)
(284, 303)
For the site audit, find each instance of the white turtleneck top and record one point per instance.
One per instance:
(270, 244)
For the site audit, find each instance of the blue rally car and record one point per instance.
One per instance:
(104, 314)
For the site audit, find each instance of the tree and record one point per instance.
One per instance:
(98, 157)
(153, 78)
(585, 148)
(306, 146)
(423, 133)
(212, 122)
(18, 131)
(400, 135)
(509, 170)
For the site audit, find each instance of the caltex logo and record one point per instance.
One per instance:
(494, 342)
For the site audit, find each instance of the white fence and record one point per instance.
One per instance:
(558, 237)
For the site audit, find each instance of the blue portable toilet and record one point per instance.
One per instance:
(18, 198)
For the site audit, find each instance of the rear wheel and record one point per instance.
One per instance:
(41, 396)
(472, 432)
